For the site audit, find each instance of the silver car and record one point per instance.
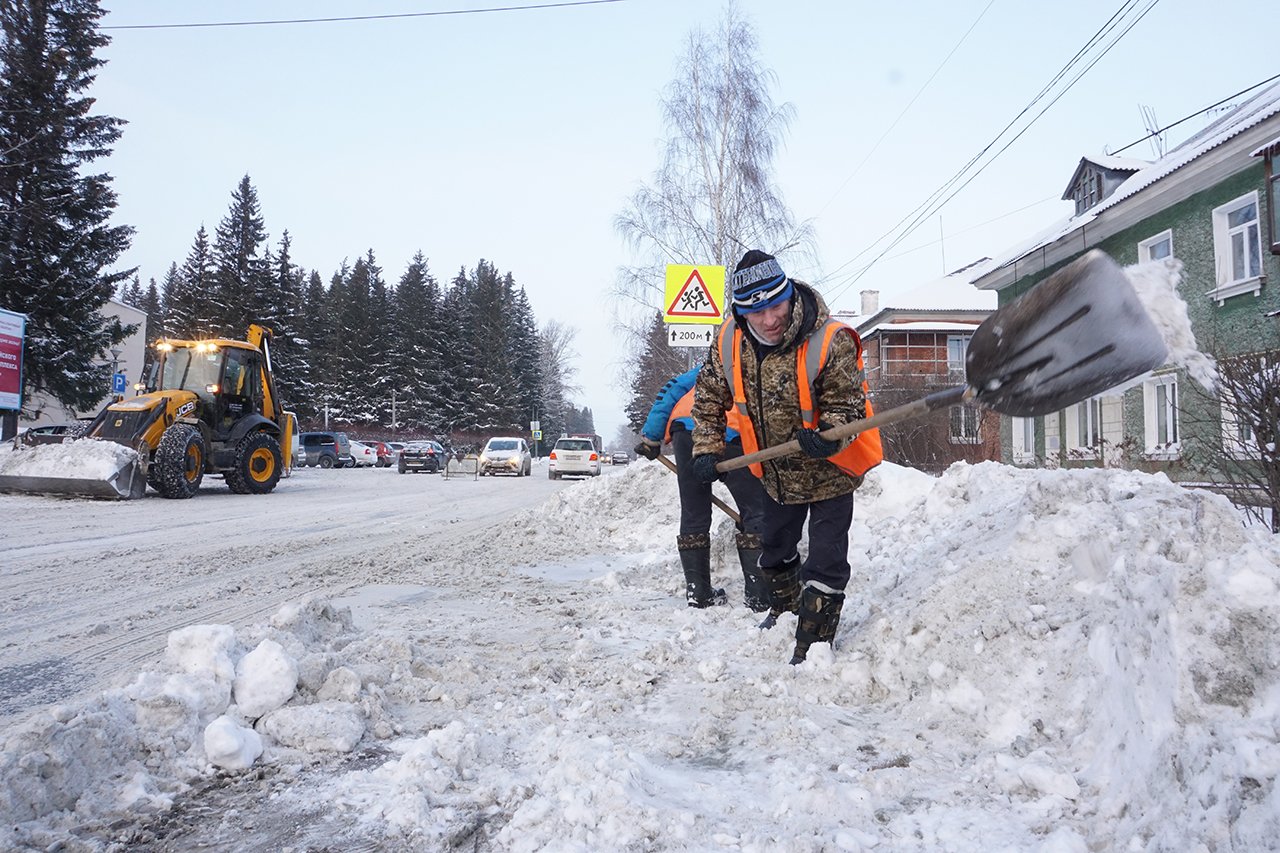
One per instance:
(573, 457)
(506, 456)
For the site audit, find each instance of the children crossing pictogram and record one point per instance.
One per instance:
(694, 298)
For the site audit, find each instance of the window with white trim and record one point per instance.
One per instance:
(1160, 417)
(1052, 440)
(1237, 248)
(1024, 440)
(957, 346)
(1156, 248)
(1084, 428)
(964, 425)
(1237, 434)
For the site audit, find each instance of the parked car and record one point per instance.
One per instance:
(418, 456)
(53, 433)
(505, 455)
(619, 457)
(573, 457)
(395, 447)
(363, 455)
(386, 456)
(326, 449)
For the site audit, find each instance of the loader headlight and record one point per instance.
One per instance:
(212, 389)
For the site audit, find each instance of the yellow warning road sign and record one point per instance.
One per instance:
(694, 294)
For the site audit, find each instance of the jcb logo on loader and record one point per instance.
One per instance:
(185, 408)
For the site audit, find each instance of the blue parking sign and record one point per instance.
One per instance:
(119, 382)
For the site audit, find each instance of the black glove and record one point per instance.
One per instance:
(704, 468)
(647, 450)
(815, 445)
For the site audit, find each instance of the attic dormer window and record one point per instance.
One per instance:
(1088, 190)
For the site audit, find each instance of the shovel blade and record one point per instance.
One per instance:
(1076, 334)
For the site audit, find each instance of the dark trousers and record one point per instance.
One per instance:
(695, 497)
(829, 520)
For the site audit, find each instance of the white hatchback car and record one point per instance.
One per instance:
(573, 457)
(506, 456)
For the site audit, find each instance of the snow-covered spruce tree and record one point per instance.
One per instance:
(289, 347)
(56, 246)
(239, 294)
(410, 328)
(189, 307)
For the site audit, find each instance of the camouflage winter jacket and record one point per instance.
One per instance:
(773, 402)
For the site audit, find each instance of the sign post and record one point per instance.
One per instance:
(694, 303)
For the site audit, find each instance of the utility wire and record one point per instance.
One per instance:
(1196, 113)
(911, 221)
(928, 203)
(910, 103)
(357, 17)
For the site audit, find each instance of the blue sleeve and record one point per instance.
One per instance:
(655, 425)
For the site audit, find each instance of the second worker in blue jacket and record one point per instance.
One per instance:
(671, 419)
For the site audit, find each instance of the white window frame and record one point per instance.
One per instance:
(1084, 429)
(1146, 246)
(1154, 403)
(1237, 438)
(1052, 440)
(1024, 440)
(966, 418)
(961, 342)
(1224, 236)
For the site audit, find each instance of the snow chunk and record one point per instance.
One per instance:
(230, 745)
(326, 727)
(265, 679)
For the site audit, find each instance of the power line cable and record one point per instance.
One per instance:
(1093, 40)
(344, 18)
(905, 226)
(910, 103)
(1196, 113)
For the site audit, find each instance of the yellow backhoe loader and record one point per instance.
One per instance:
(208, 407)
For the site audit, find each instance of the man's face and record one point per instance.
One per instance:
(770, 323)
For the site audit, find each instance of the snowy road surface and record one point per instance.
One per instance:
(1029, 660)
(92, 589)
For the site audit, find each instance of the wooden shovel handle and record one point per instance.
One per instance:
(728, 510)
(937, 400)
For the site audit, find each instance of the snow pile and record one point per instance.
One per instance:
(1156, 284)
(207, 707)
(1028, 660)
(84, 458)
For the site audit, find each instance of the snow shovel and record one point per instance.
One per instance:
(728, 510)
(1076, 334)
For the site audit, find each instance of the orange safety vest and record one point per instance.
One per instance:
(684, 409)
(860, 455)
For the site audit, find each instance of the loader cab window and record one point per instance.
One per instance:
(239, 390)
(189, 370)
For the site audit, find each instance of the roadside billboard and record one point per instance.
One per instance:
(12, 329)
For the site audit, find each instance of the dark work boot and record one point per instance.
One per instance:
(755, 592)
(695, 559)
(819, 617)
(783, 585)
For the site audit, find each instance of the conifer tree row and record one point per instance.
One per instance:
(413, 355)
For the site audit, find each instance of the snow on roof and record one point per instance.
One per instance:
(923, 326)
(951, 292)
(1248, 115)
(1270, 146)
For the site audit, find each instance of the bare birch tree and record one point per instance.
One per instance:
(714, 195)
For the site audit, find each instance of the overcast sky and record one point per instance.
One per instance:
(518, 136)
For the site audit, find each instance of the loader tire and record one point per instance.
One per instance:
(179, 462)
(257, 465)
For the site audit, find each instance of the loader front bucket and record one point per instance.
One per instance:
(115, 475)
